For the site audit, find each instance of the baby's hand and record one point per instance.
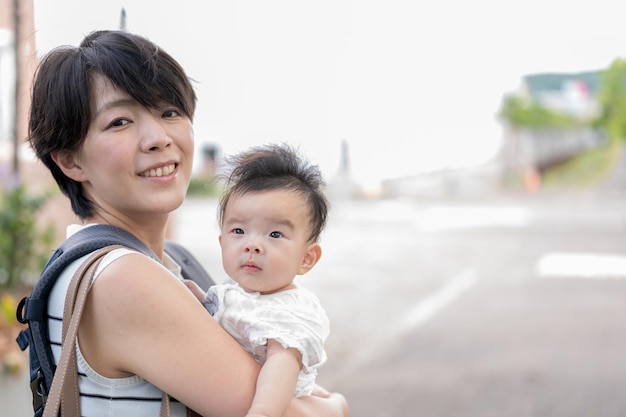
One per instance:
(320, 392)
(195, 289)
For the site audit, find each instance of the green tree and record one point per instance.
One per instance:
(612, 100)
(23, 246)
(529, 114)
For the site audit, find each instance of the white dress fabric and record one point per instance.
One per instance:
(294, 318)
(101, 396)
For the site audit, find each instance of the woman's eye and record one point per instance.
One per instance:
(171, 113)
(119, 122)
(276, 235)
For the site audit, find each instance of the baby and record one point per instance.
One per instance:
(271, 217)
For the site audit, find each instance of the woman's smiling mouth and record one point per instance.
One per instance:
(158, 172)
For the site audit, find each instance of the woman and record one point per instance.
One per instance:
(112, 120)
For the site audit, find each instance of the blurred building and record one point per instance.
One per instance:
(569, 93)
(526, 153)
(466, 183)
(18, 60)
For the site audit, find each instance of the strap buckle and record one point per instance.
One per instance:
(38, 388)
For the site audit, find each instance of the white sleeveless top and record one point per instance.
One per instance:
(101, 396)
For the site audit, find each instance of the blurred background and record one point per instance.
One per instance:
(474, 259)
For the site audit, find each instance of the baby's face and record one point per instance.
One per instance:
(265, 240)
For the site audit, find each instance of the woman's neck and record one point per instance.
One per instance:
(151, 232)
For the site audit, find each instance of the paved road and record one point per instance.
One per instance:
(489, 309)
(511, 306)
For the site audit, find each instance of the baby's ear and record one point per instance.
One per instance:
(311, 256)
(68, 163)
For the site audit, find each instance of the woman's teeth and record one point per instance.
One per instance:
(159, 172)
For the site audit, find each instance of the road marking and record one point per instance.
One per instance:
(423, 311)
(582, 265)
(436, 302)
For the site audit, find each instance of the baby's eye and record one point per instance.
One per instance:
(238, 231)
(276, 235)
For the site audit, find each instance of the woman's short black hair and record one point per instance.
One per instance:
(60, 111)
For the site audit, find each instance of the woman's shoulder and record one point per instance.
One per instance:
(134, 301)
(113, 256)
(129, 274)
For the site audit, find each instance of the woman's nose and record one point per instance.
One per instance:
(154, 136)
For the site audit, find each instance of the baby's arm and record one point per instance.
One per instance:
(277, 380)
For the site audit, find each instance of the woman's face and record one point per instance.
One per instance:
(134, 161)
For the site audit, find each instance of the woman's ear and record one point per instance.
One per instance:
(66, 160)
(311, 256)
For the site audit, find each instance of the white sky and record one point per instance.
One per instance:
(410, 85)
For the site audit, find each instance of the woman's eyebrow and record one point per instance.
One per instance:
(122, 102)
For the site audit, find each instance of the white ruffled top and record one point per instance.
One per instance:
(294, 318)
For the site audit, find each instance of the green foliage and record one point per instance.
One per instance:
(202, 187)
(586, 169)
(7, 310)
(528, 114)
(23, 247)
(612, 99)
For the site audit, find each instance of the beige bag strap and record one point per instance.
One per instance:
(166, 410)
(64, 392)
